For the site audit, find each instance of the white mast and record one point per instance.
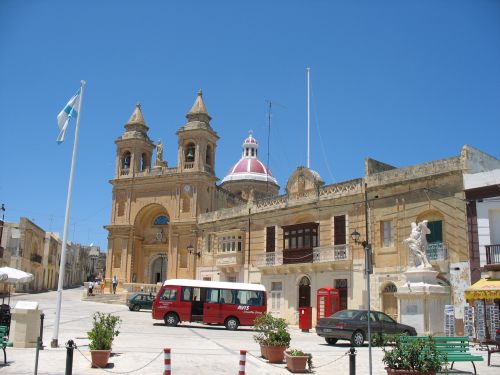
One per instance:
(308, 120)
(54, 343)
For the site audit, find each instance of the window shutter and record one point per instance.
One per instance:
(270, 239)
(339, 237)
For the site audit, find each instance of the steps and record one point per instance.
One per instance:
(117, 299)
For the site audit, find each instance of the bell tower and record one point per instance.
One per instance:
(197, 140)
(134, 149)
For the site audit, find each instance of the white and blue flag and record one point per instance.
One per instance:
(69, 111)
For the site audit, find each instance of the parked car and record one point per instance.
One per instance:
(352, 325)
(140, 301)
(497, 336)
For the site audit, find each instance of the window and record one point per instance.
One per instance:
(436, 228)
(270, 239)
(384, 318)
(190, 148)
(144, 162)
(126, 160)
(187, 293)
(169, 295)
(276, 289)
(300, 236)
(339, 236)
(341, 285)
(161, 220)
(230, 244)
(387, 233)
(212, 295)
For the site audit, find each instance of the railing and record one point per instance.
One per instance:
(37, 258)
(492, 254)
(331, 253)
(188, 165)
(229, 259)
(437, 251)
(274, 258)
(125, 172)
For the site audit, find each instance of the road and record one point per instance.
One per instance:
(196, 349)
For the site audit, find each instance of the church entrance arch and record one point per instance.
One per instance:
(158, 269)
(305, 292)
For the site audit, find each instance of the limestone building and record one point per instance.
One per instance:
(177, 222)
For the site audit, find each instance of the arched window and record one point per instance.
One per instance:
(189, 152)
(161, 220)
(208, 156)
(126, 160)
(390, 288)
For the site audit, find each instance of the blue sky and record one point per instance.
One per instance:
(403, 82)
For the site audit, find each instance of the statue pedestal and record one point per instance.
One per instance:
(422, 301)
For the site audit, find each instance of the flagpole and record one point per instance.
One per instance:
(54, 343)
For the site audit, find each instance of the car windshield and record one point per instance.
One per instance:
(345, 314)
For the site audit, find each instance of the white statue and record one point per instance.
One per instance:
(159, 154)
(417, 243)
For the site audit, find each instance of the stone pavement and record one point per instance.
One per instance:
(196, 349)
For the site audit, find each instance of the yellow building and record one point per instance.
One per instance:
(176, 222)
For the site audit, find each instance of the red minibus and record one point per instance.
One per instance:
(219, 302)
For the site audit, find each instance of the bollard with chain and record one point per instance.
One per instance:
(38, 341)
(70, 346)
(352, 361)
(166, 362)
(42, 317)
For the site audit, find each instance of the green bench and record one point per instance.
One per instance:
(454, 349)
(4, 342)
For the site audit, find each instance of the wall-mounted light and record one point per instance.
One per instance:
(191, 251)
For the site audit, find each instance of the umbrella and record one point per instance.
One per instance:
(14, 276)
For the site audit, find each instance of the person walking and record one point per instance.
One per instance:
(115, 283)
(91, 287)
(103, 285)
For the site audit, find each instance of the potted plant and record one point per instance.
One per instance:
(296, 361)
(273, 337)
(418, 356)
(104, 329)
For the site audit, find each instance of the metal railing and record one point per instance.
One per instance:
(437, 251)
(188, 165)
(492, 254)
(331, 253)
(274, 258)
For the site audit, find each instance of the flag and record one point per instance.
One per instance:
(69, 111)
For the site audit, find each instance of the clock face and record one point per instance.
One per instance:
(187, 188)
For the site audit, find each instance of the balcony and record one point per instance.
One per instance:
(188, 165)
(492, 258)
(270, 259)
(232, 259)
(437, 251)
(36, 258)
(333, 253)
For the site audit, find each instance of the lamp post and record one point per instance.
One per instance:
(368, 271)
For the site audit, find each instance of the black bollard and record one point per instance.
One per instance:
(352, 361)
(70, 346)
(40, 343)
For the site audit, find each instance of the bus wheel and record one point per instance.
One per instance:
(171, 319)
(232, 323)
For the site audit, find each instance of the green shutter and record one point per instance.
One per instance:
(436, 228)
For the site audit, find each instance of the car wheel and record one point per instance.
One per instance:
(136, 307)
(171, 319)
(357, 338)
(232, 323)
(330, 340)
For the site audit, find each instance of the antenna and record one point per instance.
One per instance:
(308, 119)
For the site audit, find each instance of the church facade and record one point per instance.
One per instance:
(177, 222)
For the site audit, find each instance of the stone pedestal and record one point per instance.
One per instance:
(422, 301)
(25, 324)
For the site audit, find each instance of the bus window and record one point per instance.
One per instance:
(212, 296)
(251, 297)
(168, 295)
(196, 294)
(187, 293)
(225, 296)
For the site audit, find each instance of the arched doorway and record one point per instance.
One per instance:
(158, 270)
(305, 292)
(389, 301)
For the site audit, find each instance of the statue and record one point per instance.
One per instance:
(417, 243)
(159, 154)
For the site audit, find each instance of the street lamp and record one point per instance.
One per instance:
(368, 271)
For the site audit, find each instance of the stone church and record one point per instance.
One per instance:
(178, 222)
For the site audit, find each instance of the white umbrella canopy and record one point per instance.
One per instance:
(14, 276)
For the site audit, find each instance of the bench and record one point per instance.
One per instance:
(4, 342)
(456, 349)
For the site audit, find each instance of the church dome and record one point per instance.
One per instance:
(249, 167)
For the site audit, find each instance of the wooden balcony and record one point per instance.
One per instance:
(36, 258)
(492, 258)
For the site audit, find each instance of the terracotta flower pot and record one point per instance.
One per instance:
(275, 354)
(100, 358)
(263, 351)
(391, 371)
(296, 363)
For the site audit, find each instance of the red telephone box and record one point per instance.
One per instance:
(327, 302)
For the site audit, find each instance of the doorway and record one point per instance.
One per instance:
(389, 301)
(159, 269)
(305, 292)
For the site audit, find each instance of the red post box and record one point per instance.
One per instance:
(305, 318)
(327, 303)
